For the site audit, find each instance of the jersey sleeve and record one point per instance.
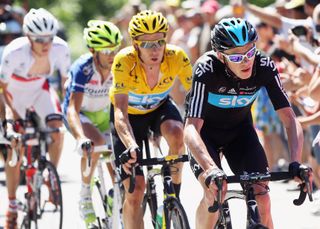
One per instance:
(276, 92)
(121, 74)
(185, 70)
(78, 79)
(64, 61)
(7, 65)
(196, 101)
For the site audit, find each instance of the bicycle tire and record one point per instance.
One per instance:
(150, 199)
(152, 202)
(175, 215)
(30, 212)
(101, 203)
(50, 201)
(224, 221)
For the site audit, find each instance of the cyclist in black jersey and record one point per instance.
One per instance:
(226, 82)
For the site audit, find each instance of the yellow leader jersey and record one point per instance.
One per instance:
(129, 78)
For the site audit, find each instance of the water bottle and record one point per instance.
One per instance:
(159, 217)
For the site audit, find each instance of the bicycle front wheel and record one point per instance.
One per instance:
(175, 215)
(50, 198)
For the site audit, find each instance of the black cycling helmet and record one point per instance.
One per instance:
(231, 33)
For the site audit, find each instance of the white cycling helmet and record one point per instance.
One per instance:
(40, 22)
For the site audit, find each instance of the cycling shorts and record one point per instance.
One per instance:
(24, 94)
(141, 125)
(240, 146)
(99, 119)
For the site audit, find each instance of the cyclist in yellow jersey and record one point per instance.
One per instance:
(143, 77)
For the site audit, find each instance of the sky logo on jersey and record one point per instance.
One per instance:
(146, 102)
(230, 101)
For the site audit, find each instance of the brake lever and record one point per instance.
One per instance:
(124, 158)
(304, 175)
(88, 148)
(217, 204)
(302, 196)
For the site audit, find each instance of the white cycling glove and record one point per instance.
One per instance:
(79, 144)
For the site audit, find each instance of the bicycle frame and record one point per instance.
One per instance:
(35, 145)
(165, 172)
(247, 181)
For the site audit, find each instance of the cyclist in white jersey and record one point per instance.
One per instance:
(86, 104)
(25, 66)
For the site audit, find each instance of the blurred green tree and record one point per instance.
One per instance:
(74, 14)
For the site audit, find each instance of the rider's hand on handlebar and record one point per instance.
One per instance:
(128, 158)
(211, 178)
(301, 174)
(80, 145)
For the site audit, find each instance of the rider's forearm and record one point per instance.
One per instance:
(74, 123)
(197, 147)
(314, 85)
(295, 140)
(124, 128)
(270, 18)
(310, 120)
(306, 53)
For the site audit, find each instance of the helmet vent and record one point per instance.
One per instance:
(154, 23)
(146, 25)
(38, 27)
(234, 36)
(244, 33)
(45, 23)
(116, 38)
(108, 29)
(30, 29)
(106, 39)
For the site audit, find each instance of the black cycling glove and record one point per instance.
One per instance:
(214, 174)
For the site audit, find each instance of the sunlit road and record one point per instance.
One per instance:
(285, 214)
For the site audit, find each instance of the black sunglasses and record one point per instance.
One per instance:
(317, 28)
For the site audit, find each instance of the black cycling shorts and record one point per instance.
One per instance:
(240, 146)
(141, 126)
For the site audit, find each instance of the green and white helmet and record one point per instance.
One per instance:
(101, 35)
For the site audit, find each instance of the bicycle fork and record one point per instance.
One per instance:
(253, 217)
(168, 191)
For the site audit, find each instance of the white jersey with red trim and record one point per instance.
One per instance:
(25, 90)
(17, 60)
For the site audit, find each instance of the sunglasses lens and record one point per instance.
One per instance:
(108, 51)
(152, 44)
(42, 40)
(235, 58)
(318, 28)
(251, 52)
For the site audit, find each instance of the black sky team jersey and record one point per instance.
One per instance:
(224, 101)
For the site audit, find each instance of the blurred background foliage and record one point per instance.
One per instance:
(74, 14)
